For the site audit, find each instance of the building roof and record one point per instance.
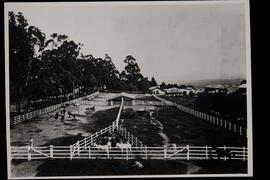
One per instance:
(216, 86)
(243, 86)
(232, 89)
(158, 89)
(174, 90)
(123, 94)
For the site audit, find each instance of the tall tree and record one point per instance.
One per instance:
(132, 70)
(24, 44)
(153, 82)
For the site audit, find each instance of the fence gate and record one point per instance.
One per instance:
(171, 153)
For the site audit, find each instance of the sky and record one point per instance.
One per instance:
(173, 42)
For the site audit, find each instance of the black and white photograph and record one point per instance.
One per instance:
(128, 89)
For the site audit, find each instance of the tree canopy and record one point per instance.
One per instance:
(42, 68)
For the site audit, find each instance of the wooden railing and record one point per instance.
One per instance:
(161, 153)
(24, 117)
(211, 119)
(90, 140)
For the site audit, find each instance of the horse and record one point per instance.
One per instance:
(223, 152)
(102, 147)
(90, 108)
(75, 104)
(70, 114)
(123, 146)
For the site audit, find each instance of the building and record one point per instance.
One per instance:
(174, 91)
(214, 89)
(157, 91)
(116, 99)
(243, 88)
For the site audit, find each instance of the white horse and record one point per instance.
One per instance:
(103, 147)
(123, 146)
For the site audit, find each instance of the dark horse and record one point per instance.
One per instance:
(223, 152)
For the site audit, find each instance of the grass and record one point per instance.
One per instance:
(182, 128)
(125, 167)
(147, 98)
(141, 127)
(183, 100)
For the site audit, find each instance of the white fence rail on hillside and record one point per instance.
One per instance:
(134, 141)
(161, 153)
(90, 140)
(24, 117)
(211, 119)
(150, 103)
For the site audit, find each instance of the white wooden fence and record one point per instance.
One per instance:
(24, 117)
(150, 103)
(211, 119)
(90, 140)
(162, 153)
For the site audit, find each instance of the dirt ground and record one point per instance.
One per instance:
(170, 126)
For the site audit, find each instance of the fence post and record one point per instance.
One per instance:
(89, 152)
(70, 147)
(78, 147)
(145, 151)
(136, 140)
(234, 128)
(244, 153)
(108, 153)
(51, 151)
(165, 152)
(225, 158)
(187, 152)
(29, 153)
(230, 126)
(240, 129)
(85, 143)
(127, 153)
(206, 152)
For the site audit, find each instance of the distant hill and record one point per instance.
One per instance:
(225, 82)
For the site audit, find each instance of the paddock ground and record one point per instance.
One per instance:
(177, 127)
(174, 126)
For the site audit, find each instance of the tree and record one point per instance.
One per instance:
(163, 86)
(62, 68)
(153, 82)
(24, 44)
(132, 70)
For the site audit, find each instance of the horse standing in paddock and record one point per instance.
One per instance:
(103, 147)
(223, 152)
(123, 146)
(56, 115)
(69, 114)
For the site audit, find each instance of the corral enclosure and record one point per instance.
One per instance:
(170, 126)
(46, 130)
(174, 126)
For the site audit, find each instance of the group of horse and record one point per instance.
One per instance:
(106, 143)
(63, 114)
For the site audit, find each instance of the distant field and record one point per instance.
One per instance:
(184, 129)
(146, 98)
(182, 100)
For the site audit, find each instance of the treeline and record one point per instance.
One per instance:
(41, 68)
(228, 106)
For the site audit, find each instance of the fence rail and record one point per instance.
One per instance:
(90, 140)
(162, 153)
(211, 119)
(24, 117)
